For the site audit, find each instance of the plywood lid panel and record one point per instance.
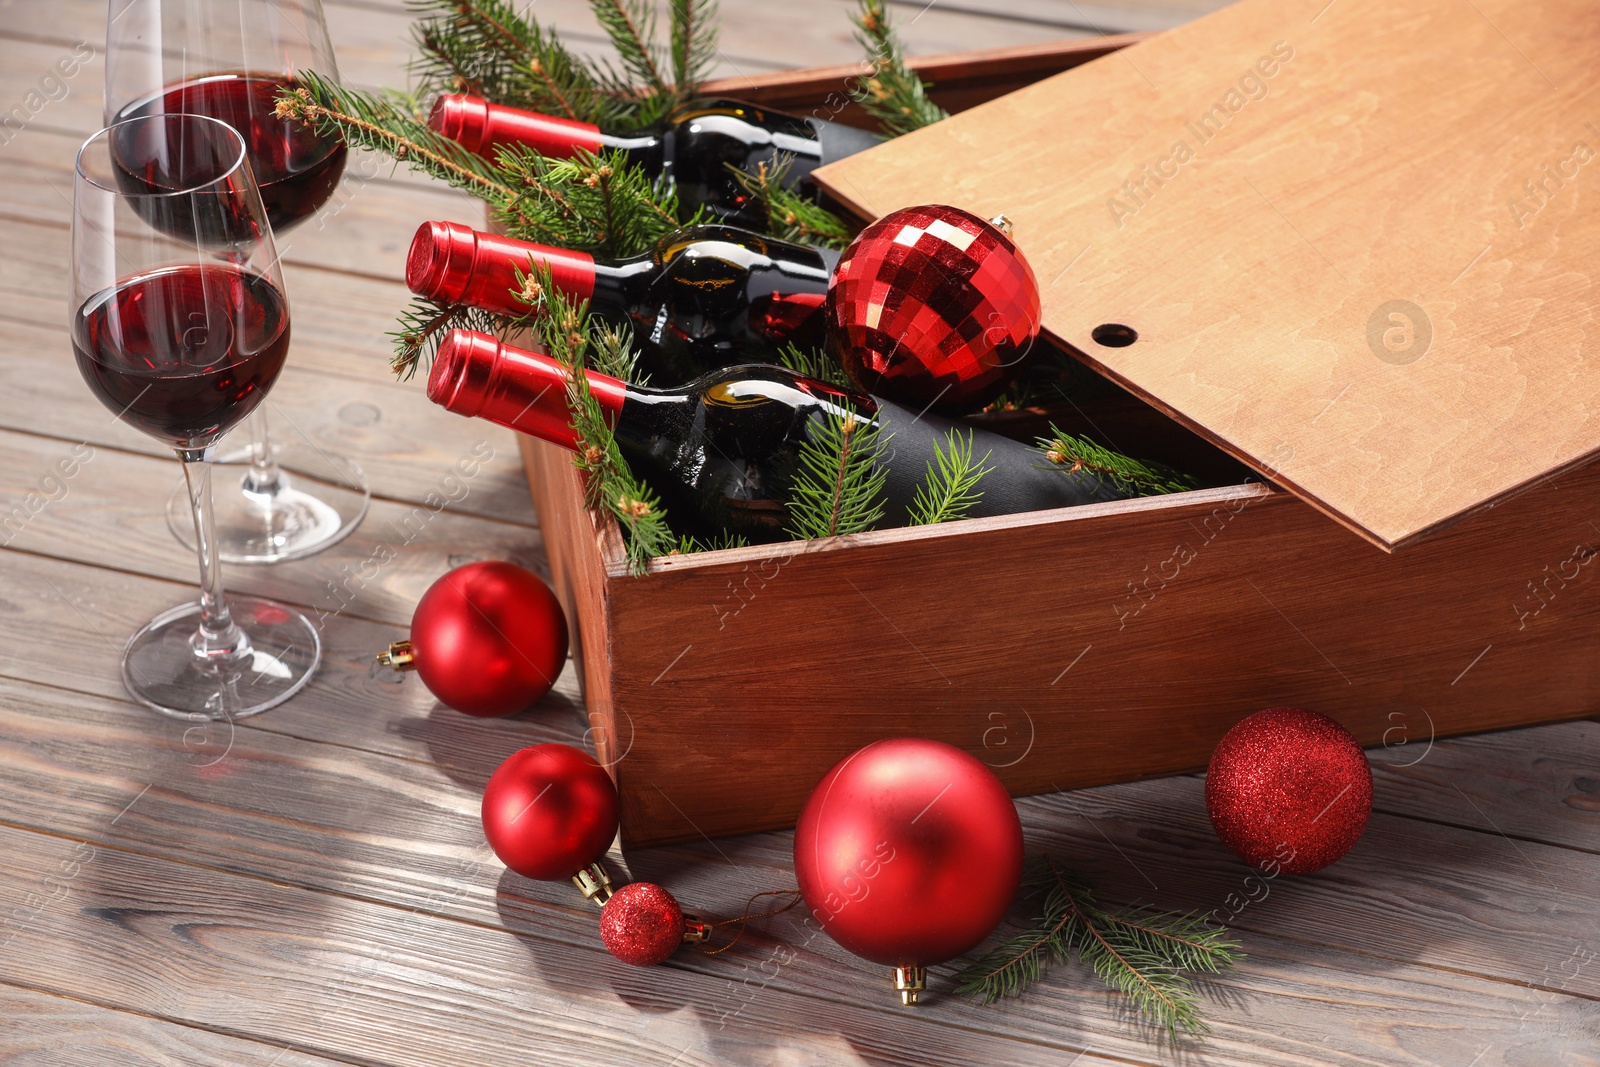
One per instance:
(1358, 241)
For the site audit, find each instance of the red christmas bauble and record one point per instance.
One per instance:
(1289, 790)
(489, 638)
(908, 852)
(933, 306)
(549, 811)
(641, 924)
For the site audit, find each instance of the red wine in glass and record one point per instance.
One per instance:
(183, 352)
(296, 168)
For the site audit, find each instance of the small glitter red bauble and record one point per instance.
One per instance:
(933, 306)
(549, 811)
(641, 924)
(1289, 790)
(908, 852)
(489, 638)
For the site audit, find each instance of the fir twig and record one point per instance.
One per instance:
(1146, 954)
(950, 489)
(593, 203)
(1073, 454)
(694, 43)
(790, 216)
(816, 364)
(491, 49)
(895, 95)
(564, 326)
(425, 323)
(366, 120)
(631, 25)
(838, 486)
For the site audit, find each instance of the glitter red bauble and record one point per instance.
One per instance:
(908, 852)
(1289, 790)
(641, 924)
(489, 638)
(549, 811)
(933, 306)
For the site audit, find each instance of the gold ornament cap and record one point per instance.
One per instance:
(1003, 223)
(910, 982)
(399, 656)
(594, 882)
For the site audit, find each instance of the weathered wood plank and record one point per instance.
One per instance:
(63, 625)
(110, 512)
(1536, 785)
(365, 230)
(1291, 985)
(193, 945)
(406, 445)
(43, 1030)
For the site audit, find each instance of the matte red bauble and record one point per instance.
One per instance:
(933, 306)
(487, 639)
(642, 924)
(1289, 790)
(549, 811)
(908, 853)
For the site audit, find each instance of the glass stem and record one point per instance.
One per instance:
(217, 637)
(263, 476)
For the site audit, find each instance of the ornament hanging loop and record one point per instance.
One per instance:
(594, 882)
(398, 656)
(910, 982)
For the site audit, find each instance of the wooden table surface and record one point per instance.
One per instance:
(312, 887)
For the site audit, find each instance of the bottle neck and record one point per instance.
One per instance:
(480, 126)
(476, 376)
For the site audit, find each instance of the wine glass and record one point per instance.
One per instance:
(228, 59)
(179, 325)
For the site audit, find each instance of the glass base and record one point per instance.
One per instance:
(162, 670)
(318, 501)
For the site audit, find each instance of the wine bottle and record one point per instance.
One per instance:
(692, 148)
(706, 297)
(723, 450)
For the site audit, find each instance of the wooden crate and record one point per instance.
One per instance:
(1065, 648)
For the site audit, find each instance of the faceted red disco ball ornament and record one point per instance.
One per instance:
(933, 306)
(1289, 790)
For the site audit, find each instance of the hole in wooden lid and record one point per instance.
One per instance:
(1114, 335)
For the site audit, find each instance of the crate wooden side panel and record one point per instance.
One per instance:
(577, 573)
(959, 80)
(1081, 648)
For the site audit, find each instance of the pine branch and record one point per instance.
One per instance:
(838, 486)
(1138, 951)
(951, 487)
(895, 95)
(593, 203)
(1074, 454)
(631, 25)
(490, 49)
(366, 120)
(816, 364)
(790, 216)
(694, 44)
(424, 324)
(564, 326)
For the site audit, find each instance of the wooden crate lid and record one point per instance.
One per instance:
(1358, 241)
